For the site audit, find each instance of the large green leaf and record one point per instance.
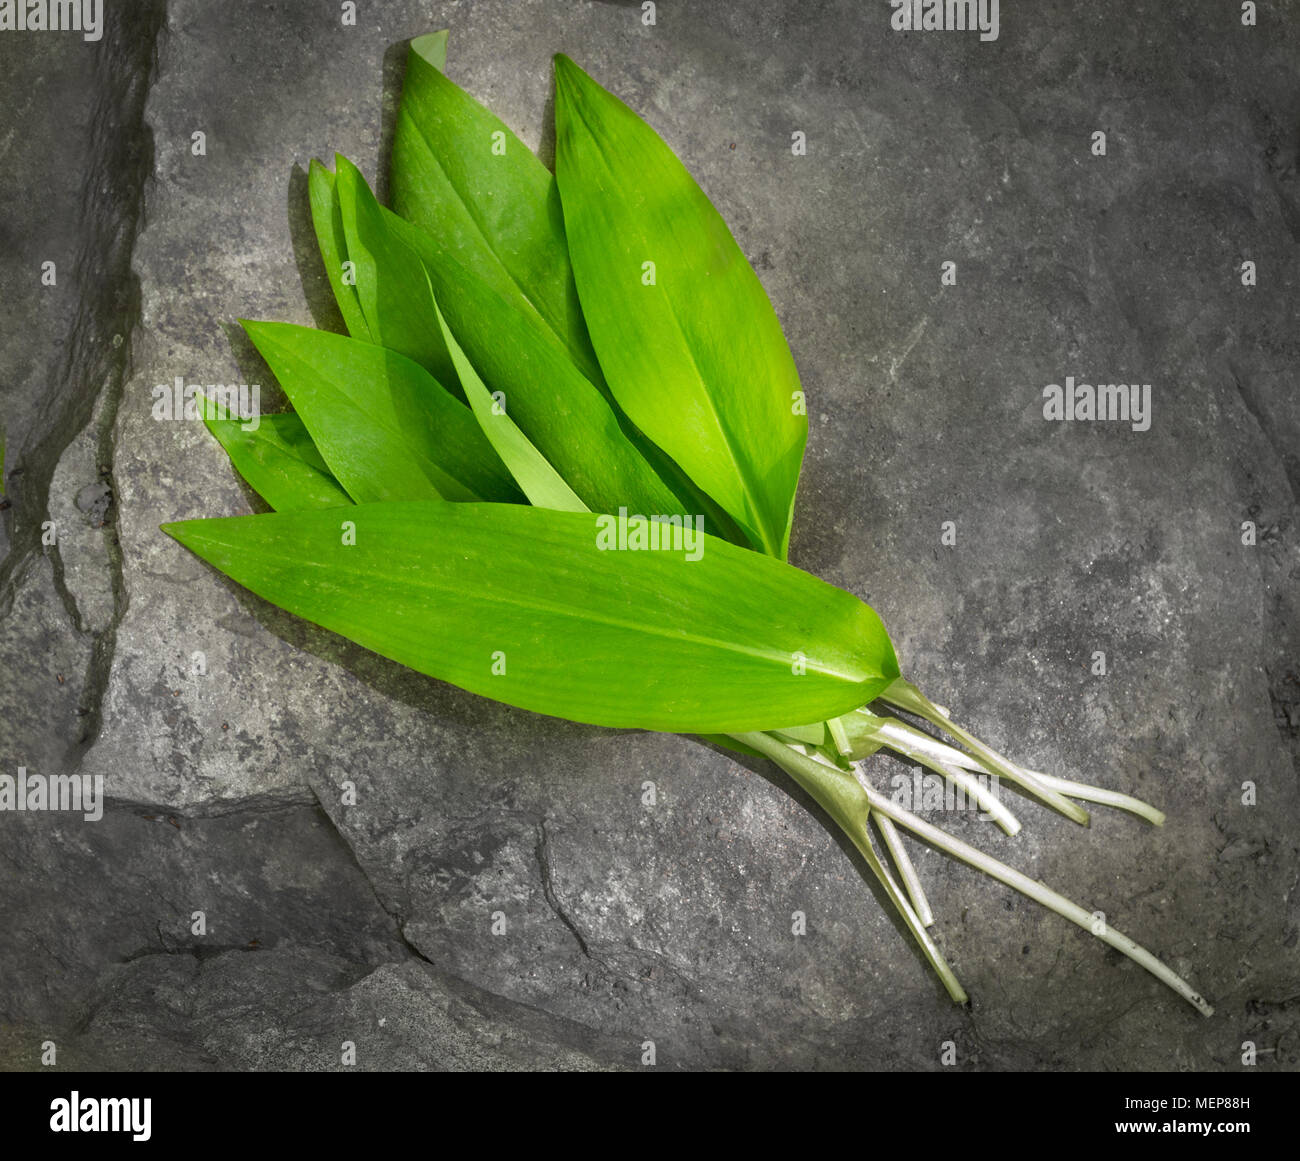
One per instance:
(521, 604)
(278, 460)
(690, 347)
(387, 429)
(391, 284)
(461, 175)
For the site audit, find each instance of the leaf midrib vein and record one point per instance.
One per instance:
(568, 613)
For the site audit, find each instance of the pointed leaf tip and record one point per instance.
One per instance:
(432, 47)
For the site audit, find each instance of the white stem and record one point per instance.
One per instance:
(907, 697)
(917, 742)
(913, 921)
(796, 763)
(1103, 797)
(906, 871)
(1041, 894)
(898, 736)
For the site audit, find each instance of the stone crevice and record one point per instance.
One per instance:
(548, 887)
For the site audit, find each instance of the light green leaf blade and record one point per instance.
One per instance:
(391, 284)
(327, 219)
(521, 605)
(278, 460)
(862, 731)
(462, 176)
(812, 735)
(557, 408)
(432, 46)
(386, 428)
(541, 483)
(690, 347)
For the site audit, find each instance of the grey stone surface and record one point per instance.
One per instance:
(85, 896)
(303, 1011)
(624, 922)
(57, 356)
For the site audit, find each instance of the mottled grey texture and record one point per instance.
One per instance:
(625, 922)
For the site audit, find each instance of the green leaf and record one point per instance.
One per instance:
(521, 605)
(391, 284)
(432, 46)
(386, 428)
(463, 177)
(694, 355)
(327, 218)
(278, 459)
(813, 735)
(556, 407)
(541, 483)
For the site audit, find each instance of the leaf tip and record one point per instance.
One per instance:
(345, 168)
(566, 69)
(177, 529)
(432, 48)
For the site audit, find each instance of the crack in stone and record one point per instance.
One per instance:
(120, 120)
(1250, 401)
(65, 594)
(97, 343)
(548, 887)
(399, 924)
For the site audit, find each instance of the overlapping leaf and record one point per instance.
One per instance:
(461, 175)
(540, 482)
(492, 214)
(278, 460)
(522, 605)
(327, 219)
(687, 339)
(391, 286)
(560, 411)
(547, 397)
(386, 428)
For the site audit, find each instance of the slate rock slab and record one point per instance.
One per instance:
(451, 883)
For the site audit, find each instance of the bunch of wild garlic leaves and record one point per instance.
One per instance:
(554, 462)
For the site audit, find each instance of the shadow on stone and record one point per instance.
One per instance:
(546, 145)
(777, 777)
(394, 76)
(316, 287)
